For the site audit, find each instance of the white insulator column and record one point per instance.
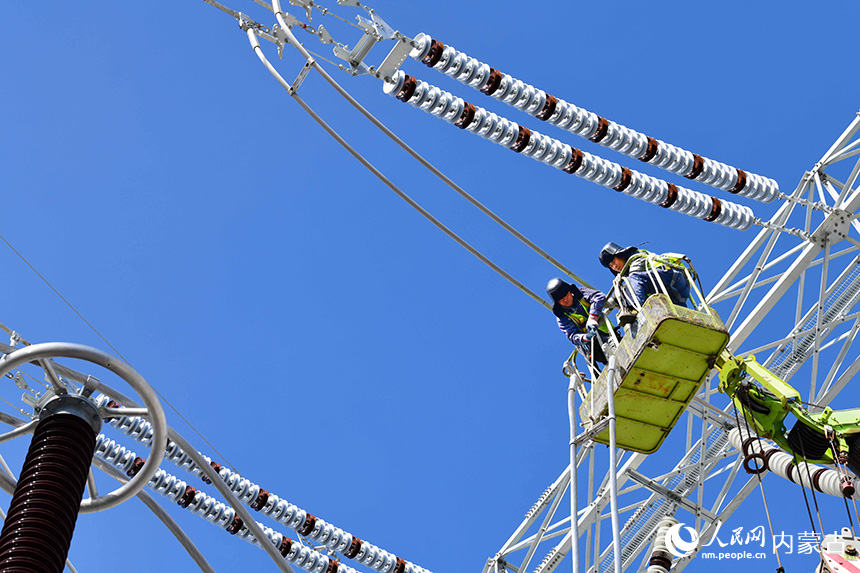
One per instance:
(569, 117)
(554, 153)
(661, 559)
(782, 464)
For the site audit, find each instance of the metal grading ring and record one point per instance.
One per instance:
(46, 350)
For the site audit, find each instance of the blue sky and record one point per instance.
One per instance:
(334, 346)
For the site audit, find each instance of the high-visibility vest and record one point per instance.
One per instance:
(580, 319)
(655, 262)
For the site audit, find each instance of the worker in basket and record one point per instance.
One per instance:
(640, 273)
(578, 314)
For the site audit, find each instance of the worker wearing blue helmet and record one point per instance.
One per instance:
(578, 314)
(643, 270)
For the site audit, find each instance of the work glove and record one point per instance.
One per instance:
(591, 326)
(580, 340)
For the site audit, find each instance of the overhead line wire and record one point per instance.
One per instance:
(112, 347)
(448, 181)
(415, 155)
(379, 175)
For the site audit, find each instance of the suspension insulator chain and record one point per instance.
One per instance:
(546, 107)
(297, 519)
(556, 154)
(218, 513)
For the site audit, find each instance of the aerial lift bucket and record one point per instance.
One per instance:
(660, 369)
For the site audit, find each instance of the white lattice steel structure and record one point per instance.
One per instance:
(801, 274)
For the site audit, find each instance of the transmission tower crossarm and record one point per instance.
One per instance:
(833, 223)
(663, 491)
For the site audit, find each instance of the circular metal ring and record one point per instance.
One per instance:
(46, 350)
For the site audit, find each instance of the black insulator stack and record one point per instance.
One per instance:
(41, 519)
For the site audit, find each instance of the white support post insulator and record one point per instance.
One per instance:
(661, 559)
(546, 107)
(252, 495)
(781, 463)
(554, 153)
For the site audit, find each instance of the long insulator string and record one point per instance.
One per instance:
(252, 495)
(546, 107)
(218, 513)
(475, 119)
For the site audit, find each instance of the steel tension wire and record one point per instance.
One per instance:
(448, 181)
(255, 43)
(758, 474)
(814, 498)
(843, 474)
(105, 340)
(429, 166)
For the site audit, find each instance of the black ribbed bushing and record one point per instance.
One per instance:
(41, 518)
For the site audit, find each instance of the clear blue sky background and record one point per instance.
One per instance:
(334, 346)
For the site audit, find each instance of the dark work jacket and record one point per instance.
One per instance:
(572, 319)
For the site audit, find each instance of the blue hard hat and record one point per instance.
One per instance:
(611, 250)
(557, 289)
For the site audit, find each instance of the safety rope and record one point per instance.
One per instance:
(591, 360)
(814, 498)
(850, 520)
(758, 473)
(117, 352)
(843, 474)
